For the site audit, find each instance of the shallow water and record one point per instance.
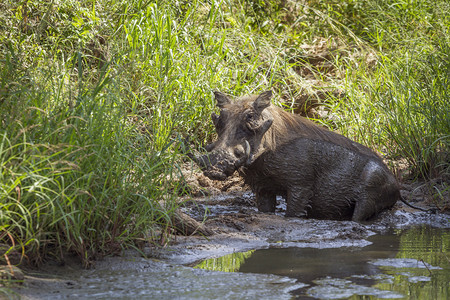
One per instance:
(409, 263)
(301, 259)
(139, 278)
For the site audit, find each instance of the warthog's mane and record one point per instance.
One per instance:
(287, 126)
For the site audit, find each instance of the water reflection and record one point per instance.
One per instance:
(429, 278)
(227, 263)
(412, 263)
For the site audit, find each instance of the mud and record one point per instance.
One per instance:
(133, 277)
(240, 227)
(228, 210)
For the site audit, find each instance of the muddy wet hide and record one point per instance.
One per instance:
(215, 173)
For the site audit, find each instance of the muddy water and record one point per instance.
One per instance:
(139, 278)
(267, 256)
(411, 263)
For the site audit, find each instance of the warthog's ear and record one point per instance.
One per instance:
(262, 101)
(221, 99)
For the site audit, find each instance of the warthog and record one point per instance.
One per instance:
(320, 173)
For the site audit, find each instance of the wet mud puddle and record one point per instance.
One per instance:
(411, 263)
(268, 256)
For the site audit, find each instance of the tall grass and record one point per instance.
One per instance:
(77, 178)
(95, 97)
(415, 101)
(401, 104)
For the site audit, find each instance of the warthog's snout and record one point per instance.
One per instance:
(221, 163)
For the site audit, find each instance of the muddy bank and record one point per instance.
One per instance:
(228, 208)
(240, 227)
(228, 211)
(133, 277)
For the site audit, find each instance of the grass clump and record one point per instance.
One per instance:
(76, 177)
(399, 104)
(95, 100)
(81, 170)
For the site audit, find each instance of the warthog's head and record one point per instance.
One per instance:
(240, 128)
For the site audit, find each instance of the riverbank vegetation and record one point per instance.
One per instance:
(97, 98)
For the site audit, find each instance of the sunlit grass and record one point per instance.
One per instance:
(400, 105)
(91, 132)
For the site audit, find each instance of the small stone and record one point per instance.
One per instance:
(11, 273)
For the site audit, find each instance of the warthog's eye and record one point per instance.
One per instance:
(252, 121)
(249, 117)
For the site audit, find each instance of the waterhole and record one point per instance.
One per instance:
(409, 263)
(400, 263)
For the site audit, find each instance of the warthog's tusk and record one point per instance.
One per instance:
(246, 156)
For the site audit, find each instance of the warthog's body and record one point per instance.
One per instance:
(320, 173)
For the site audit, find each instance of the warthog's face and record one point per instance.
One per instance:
(240, 128)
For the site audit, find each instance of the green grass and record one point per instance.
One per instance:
(400, 105)
(96, 98)
(95, 101)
